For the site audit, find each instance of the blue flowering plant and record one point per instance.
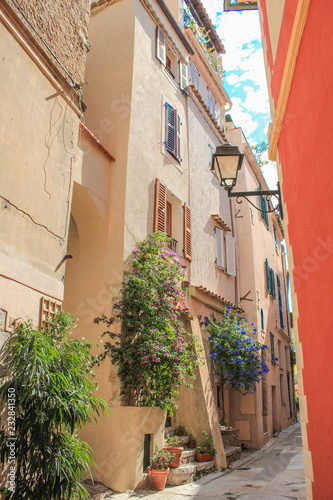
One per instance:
(153, 352)
(237, 357)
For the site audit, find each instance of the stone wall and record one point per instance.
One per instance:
(63, 25)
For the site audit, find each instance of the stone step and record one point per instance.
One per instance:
(187, 473)
(187, 456)
(232, 453)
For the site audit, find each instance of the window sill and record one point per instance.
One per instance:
(172, 159)
(221, 269)
(169, 77)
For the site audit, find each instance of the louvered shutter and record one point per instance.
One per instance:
(160, 46)
(160, 207)
(178, 149)
(183, 76)
(268, 277)
(273, 284)
(230, 255)
(280, 302)
(187, 232)
(170, 128)
(219, 257)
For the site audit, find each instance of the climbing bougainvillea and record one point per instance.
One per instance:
(237, 357)
(153, 352)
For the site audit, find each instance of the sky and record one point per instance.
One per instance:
(245, 80)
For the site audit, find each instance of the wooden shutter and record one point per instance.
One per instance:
(183, 76)
(268, 277)
(178, 150)
(160, 46)
(280, 302)
(160, 207)
(187, 232)
(230, 255)
(272, 283)
(170, 128)
(219, 244)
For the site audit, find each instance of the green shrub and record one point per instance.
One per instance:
(50, 376)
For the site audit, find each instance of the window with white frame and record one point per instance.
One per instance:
(166, 55)
(194, 76)
(225, 251)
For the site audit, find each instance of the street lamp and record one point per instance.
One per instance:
(227, 161)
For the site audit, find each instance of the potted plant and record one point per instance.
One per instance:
(158, 468)
(174, 448)
(205, 450)
(180, 430)
(192, 443)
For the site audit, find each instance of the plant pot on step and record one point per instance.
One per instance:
(157, 478)
(177, 451)
(192, 445)
(204, 457)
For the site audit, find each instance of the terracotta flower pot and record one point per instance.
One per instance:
(157, 478)
(177, 451)
(192, 444)
(179, 433)
(204, 457)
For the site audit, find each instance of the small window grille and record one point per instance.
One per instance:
(48, 309)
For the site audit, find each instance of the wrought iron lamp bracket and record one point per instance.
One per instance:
(276, 193)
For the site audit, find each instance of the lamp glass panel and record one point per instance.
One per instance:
(228, 166)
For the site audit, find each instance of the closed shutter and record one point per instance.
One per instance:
(268, 277)
(170, 128)
(230, 255)
(160, 207)
(187, 232)
(160, 46)
(178, 150)
(219, 244)
(280, 302)
(272, 284)
(183, 76)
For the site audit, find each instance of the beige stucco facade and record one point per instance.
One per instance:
(72, 215)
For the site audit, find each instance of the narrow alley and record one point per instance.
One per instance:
(275, 472)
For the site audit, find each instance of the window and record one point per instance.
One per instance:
(172, 218)
(272, 348)
(168, 219)
(275, 239)
(48, 309)
(172, 132)
(263, 206)
(262, 320)
(211, 103)
(225, 252)
(194, 76)
(280, 302)
(270, 280)
(280, 353)
(168, 58)
(283, 400)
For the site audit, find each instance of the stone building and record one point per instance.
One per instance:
(43, 54)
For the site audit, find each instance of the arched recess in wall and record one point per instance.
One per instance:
(87, 272)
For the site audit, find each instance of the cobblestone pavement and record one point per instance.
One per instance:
(275, 472)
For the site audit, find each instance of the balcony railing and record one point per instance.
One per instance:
(172, 244)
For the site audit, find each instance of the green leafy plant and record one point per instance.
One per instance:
(207, 444)
(237, 358)
(173, 440)
(153, 352)
(191, 439)
(258, 150)
(160, 460)
(180, 429)
(51, 378)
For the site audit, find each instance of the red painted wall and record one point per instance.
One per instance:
(306, 157)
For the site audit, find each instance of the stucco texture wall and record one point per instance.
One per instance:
(305, 156)
(63, 25)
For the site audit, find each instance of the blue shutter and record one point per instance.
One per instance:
(268, 277)
(272, 275)
(170, 128)
(262, 320)
(280, 303)
(178, 123)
